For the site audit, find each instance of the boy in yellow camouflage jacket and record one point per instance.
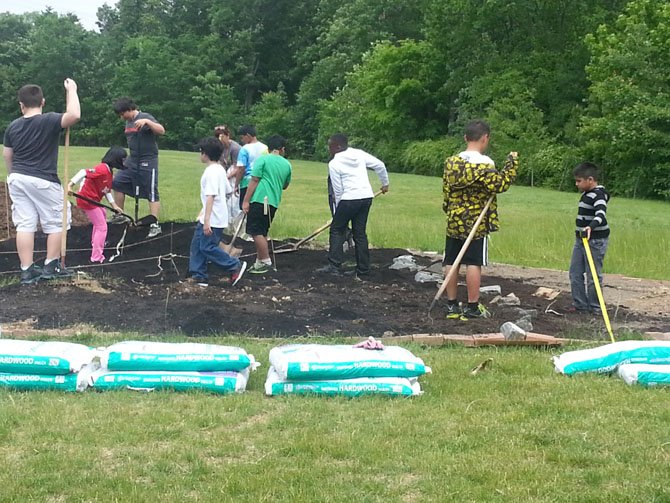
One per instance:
(470, 179)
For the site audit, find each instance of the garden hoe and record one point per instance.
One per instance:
(596, 283)
(456, 265)
(294, 246)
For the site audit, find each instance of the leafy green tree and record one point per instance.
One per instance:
(627, 127)
(213, 103)
(392, 97)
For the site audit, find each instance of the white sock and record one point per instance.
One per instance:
(49, 260)
(267, 261)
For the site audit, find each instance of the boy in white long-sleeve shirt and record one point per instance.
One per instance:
(353, 197)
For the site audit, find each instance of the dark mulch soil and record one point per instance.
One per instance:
(144, 290)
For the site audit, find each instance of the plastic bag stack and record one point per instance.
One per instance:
(38, 365)
(149, 366)
(343, 370)
(643, 362)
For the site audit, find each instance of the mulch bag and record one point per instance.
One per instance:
(44, 382)
(300, 362)
(645, 374)
(144, 356)
(390, 386)
(215, 382)
(43, 357)
(605, 359)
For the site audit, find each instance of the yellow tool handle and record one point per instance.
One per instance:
(596, 283)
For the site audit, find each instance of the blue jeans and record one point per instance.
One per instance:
(584, 295)
(206, 249)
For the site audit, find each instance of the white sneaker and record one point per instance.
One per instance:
(154, 230)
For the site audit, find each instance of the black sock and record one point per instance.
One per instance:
(452, 302)
(473, 305)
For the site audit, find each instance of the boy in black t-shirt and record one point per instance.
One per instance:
(31, 156)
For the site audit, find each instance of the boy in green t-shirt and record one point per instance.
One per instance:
(270, 175)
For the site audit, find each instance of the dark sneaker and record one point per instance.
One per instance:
(31, 275)
(329, 269)
(119, 219)
(453, 311)
(357, 275)
(53, 270)
(477, 312)
(202, 283)
(259, 268)
(154, 230)
(237, 276)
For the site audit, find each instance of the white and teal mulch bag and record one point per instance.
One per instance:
(215, 382)
(300, 362)
(43, 382)
(43, 357)
(607, 358)
(645, 374)
(145, 356)
(390, 386)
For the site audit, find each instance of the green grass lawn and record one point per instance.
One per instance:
(516, 432)
(536, 224)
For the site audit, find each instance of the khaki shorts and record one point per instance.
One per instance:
(36, 201)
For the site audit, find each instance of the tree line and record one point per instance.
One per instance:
(559, 81)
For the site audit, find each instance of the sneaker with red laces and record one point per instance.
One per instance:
(237, 276)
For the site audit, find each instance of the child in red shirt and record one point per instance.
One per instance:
(96, 183)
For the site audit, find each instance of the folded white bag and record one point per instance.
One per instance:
(43, 357)
(145, 356)
(391, 386)
(298, 362)
(605, 359)
(645, 374)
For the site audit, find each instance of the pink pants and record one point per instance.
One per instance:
(97, 216)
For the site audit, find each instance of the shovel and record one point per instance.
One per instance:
(142, 222)
(230, 247)
(457, 262)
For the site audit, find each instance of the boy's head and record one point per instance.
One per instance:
(337, 143)
(477, 134)
(115, 157)
(123, 106)
(247, 133)
(276, 142)
(586, 176)
(31, 96)
(210, 149)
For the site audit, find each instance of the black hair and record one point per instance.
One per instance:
(124, 105)
(586, 170)
(275, 142)
(340, 140)
(31, 96)
(115, 157)
(247, 129)
(211, 147)
(476, 130)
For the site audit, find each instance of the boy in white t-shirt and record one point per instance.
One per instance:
(212, 219)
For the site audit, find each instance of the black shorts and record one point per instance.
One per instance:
(476, 254)
(146, 178)
(258, 224)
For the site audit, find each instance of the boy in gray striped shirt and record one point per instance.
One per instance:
(591, 222)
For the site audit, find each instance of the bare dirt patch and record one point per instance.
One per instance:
(144, 290)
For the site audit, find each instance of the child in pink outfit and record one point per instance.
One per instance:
(96, 183)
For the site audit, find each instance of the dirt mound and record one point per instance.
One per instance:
(144, 290)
